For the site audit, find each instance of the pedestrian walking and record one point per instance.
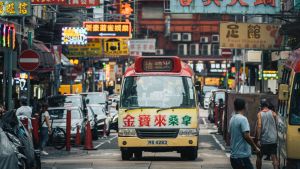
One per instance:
(45, 127)
(241, 142)
(267, 134)
(25, 112)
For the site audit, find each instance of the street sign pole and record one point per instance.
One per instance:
(28, 78)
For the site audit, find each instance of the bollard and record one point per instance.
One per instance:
(68, 131)
(88, 137)
(35, 130)
(78, 139)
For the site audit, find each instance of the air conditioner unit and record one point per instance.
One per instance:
(203, 39)
(186, 37)
(176, 37)
(182, 49)
(159, 52)
(215, 38)
(194, 49)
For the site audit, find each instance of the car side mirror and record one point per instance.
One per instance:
(283, 92)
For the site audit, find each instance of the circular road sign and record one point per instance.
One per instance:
(29, 60)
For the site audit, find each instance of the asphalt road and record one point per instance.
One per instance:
(213, 154)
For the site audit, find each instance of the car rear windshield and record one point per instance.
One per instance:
(96, 98)
(62, 114)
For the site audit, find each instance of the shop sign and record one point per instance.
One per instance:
(106, 30)
(157, 120)
(83, 3)
(250, 36)
(74, 36)
(253, 56)
(225, 6)
(44, 2)
(142, 45)
(15, 7)
(280, 55)
(116, 47)
(212, 81)
(6, 40)
(92, 49)
(268, 75)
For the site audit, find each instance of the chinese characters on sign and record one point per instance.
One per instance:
(156, 121)
(139, 46)
(74, 36)
(225, 6)
(15, 8)
(249, 36)
(108, 29)
(80, 3)
(48, 1)
(92, 49)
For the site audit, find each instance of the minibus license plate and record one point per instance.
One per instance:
(157, 142)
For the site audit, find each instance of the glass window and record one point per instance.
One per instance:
(62, 114)
(98, 110)
(295, 102)
(74, 101)
(158, 91)
(215, 49)
(152, 12)
(204, 49)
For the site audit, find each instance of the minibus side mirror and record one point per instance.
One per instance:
(283, 92)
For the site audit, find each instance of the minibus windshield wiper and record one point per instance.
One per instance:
(145, 107)
(173, 107)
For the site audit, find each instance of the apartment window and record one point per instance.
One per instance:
(152, 12)
(215, 49)
(167, 6)
(204, 49)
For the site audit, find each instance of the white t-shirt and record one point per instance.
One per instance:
(43, 120)
(25, 111)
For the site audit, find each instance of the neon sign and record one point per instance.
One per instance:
(7, 36)
(74, 36)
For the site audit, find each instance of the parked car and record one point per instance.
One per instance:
(207, 99)
(59, 116)
(102, 119)
(68, 100)
(95, 98)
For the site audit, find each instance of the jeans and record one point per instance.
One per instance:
(241, 163)
(44, 137)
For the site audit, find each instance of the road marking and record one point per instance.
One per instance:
(107, 141)
(217, 141)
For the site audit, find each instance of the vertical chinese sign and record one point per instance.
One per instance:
(15, 7)
(250, 36)
(225, 6)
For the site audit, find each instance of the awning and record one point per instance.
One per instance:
(47, 61)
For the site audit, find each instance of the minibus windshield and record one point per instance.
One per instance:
(295, 102)
(158, 92)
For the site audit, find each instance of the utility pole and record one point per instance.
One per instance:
(28, 79)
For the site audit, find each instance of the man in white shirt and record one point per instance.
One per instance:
(25, 112)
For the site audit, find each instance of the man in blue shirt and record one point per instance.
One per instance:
(241, 142)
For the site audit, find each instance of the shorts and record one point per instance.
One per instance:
(268, 149)
(241, 163)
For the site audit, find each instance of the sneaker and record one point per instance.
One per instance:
(44, 153)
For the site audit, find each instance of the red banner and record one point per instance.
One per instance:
(48, 1)
(83, 3)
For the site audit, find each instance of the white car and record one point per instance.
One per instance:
(207, 99)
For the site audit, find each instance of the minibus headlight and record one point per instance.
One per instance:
(127, 132)
(188, 132)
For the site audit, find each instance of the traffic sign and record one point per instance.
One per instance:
(226, 53)
(29, 60)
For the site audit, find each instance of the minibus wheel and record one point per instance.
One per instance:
(126, 155)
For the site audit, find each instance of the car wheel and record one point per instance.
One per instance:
(190, 154)
(95, 134)
(126, 155)
(138, 154)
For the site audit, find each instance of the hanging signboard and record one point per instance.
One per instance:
(15, 8)
(116, 47)
(250, 36)
(44, 2)
(92, 49)
(225, 6)
(142, 45)
(74, 36)
(106, 30)
(83, 3)
(268, 75)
